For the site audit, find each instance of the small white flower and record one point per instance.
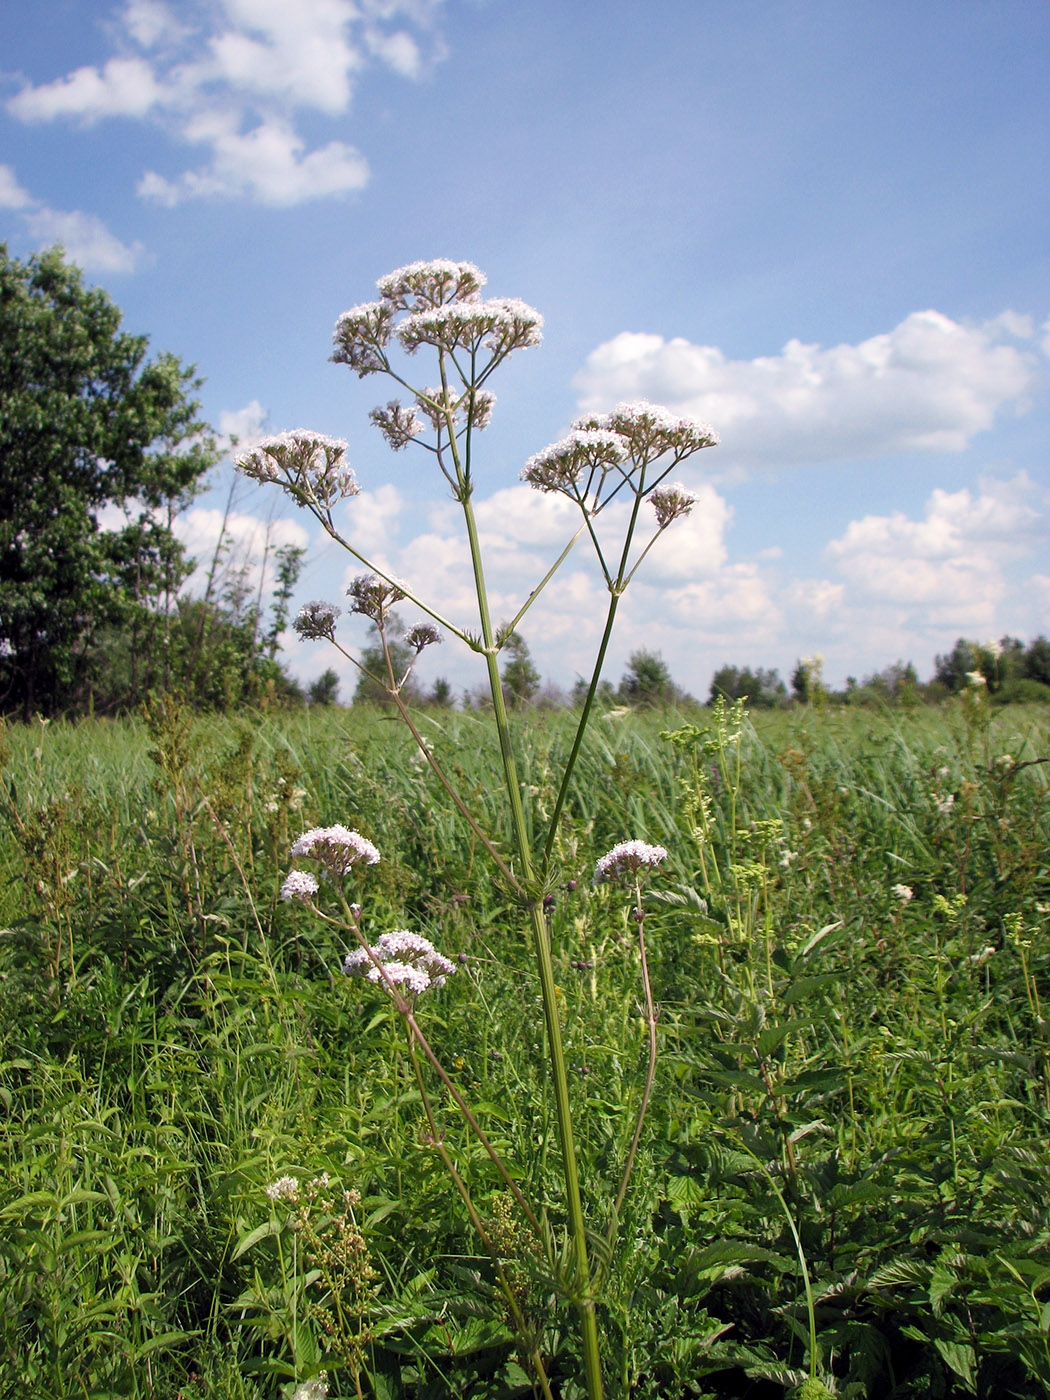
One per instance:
(670, 502)
(300, 886)
(902, 892)
(975, 679)
(627, 858)
(316, 620)
(945, 804)
(285, 1188)
(408, 959)
(336, 848)
(317, 1389)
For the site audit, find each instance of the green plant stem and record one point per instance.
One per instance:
(581, 729)
(582, 1295)
(650, 1074)
(508, 1292)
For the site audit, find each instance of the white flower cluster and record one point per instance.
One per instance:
(670, 502)
(372, 596)
(316, 620)
(300, 886)
(474, 407)
(308, 465)
(652, 430)
(431, 284)
(499, 325)
(621, 442)
(423, 634)
(398, 425)
(627, 859)
(317, 1389)
(904, 893)
(408, 960)
(561, 466)
(285, 1188)
(439, 304)
(336, 849)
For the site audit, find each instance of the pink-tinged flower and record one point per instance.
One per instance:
(362, 335)
(316, 620)
(285, 1188)
(336, 849)
(372, 596)
(398, 425)
(425, 284)
(423, 634)
(500, 325)
(627, 859)
(670, 502)
(651, 430)
(408, 959)
(436, 405)
(561, 466)
(300, 886)
(310, 466)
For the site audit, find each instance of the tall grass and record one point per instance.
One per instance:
(845, 1151)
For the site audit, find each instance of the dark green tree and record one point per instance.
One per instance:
(1037, 660)
(647, 681)
(520, 678)
(761, 688)
(87, 424)
(325, 689)
(373, 681)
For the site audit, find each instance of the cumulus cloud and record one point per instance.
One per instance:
(930, 384)
(269, 164)
(247, 539)
(236, 82)
(12, 195)
(950, 565)
(86, 239)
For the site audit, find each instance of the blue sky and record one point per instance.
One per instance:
(822, 227)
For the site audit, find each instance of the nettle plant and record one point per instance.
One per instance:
(625, 457)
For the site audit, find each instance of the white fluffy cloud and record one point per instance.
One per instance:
(235, 82)
(85, 237)
(929, 384)
(950, 566)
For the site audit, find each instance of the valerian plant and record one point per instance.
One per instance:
(626, 457)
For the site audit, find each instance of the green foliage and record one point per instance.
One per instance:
(521, 680)
(647, 683)
(87, 424)
(325, 689)
(761, 688)
(866, 1069)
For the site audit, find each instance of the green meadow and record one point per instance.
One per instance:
(844, 1166)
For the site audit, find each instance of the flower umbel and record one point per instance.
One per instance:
(373, 597)
(316, 620)
(627, 859)
(285, 1188)
(300, 886)
(336, 849)
(409, 960)
(310, 466)
(670, 502)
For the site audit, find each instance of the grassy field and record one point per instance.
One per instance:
(845, 1157)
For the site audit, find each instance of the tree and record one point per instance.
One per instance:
(520, 678)
(325, 689)
(761, 688)
(87, 424)
(373, 682)
(647, 682)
